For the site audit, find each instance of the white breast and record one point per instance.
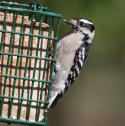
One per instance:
(65, 53)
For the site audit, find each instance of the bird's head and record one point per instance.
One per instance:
(83, 26)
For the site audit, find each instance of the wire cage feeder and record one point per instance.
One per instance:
(28, 37)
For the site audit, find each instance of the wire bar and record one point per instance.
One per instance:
(8, 61)
(20, 33)
(22, 122)
(15, 98)
(26, 56)
(3, 34)
(19, 4)
(31, 11)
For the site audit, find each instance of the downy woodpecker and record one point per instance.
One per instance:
(71, 53)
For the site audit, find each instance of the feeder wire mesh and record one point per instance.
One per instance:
(47, 29)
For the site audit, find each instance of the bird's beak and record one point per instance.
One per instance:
(71, 22)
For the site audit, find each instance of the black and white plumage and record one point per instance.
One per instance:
(71, 53)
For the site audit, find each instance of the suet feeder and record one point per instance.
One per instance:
(28, 37)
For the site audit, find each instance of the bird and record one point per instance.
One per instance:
(71, 54)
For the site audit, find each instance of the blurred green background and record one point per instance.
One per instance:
(97, 98)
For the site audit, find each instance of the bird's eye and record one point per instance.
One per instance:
(81, 24)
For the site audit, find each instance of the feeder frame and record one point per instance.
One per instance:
(40, 12)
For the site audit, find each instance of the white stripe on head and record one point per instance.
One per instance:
(86, 21)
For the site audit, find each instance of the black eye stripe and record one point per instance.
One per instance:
(82, 24)
(91, 27)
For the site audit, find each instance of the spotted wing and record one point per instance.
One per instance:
(79, 60)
